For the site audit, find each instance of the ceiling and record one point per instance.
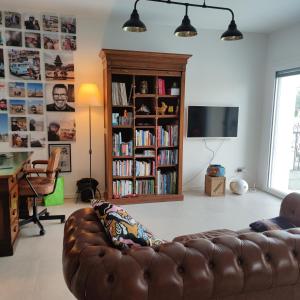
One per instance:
(262, 16)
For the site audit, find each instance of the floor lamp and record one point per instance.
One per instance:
(89, 96)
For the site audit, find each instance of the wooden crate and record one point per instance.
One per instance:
(215, 186)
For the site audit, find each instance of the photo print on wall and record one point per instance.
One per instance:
(18, 124)
(17, 107)
(3, 128)
(61, 128)
(3, 98)
(31, 21)
(32, 40)
(68, 24)
(13, 38)
(16, 89)
(2, 72)
(12, 19)
(50, 23)
(68, 42)
(37, 140)
(1, 39)
(35, 107)
(35, 90)
(19, 140)
(36, 123)
(51, 41)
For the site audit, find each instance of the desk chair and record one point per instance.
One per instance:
(38, 186)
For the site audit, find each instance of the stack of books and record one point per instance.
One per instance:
(121, 148)
(167, 157)
(144, 138)
(122, 188)
(166, 182)
(143, 168)
(167, 135)
(122, 167)
(161, 84)
(119, 95)
(144, 187)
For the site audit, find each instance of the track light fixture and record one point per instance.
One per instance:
(134, 24)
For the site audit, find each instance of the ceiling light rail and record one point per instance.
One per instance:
(134, 24)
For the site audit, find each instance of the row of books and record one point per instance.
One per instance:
(122, 188)
(146, 153)
(122, 167)
(144, 138)
(144, 187)
(167, 157)
(161, 84)
(143, 168)
(126, 119)
(167, 135)
(119, 94)
(121, 148)
(166, 182)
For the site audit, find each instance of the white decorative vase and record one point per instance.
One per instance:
(239, 186)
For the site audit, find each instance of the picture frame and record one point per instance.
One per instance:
(65, 161)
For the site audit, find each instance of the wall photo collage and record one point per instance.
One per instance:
(37, 97)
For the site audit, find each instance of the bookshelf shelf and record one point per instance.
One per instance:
(126, 73)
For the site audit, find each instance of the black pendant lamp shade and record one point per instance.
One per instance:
(186, 29)
(232, 33)
(134, 24)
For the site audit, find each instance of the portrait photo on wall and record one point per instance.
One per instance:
(32, 40)
(13, 38)
(16, 89)
(35, 90)
(24, 64)
(37, 140)
(68, 42)
(68, 24)
(12, 19)
(19, 140)
(60, 97)
(2, 72)
(3, 98)
(61, 128)
(18, 124)
(17, 107)
(3, 128)
(65, 160)
(31, 22)
(1, 39)
(35, 107)
(50, 23)
(51, 41)
(59, 65)
(36, 123)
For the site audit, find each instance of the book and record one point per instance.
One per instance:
(119, 94)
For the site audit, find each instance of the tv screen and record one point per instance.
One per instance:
(212, 121)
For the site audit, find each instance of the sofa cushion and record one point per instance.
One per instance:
(123, 230)
(271, 224)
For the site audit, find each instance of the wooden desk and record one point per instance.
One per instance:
(10, 171)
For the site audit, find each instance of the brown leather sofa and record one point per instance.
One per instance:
(213, 265)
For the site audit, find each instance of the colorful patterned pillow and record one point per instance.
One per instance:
(121, 228)
(271, 224)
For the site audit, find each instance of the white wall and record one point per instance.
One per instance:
(283, 53)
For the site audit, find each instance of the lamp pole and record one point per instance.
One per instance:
(90, 150)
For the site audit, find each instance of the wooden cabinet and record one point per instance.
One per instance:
(144, 125)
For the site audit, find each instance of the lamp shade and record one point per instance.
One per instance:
(134, 24)
(232, 33)
(88, 95)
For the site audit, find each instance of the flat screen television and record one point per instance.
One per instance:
(212, 122)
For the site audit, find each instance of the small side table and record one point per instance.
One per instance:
(215, 186)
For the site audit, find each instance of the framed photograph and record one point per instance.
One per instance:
(35, 107)
(13, 38)
(31, 22)
(1, 39)
(36, 123)
(60, 97)
(24, 64)
(59, 65)
(35, 90)
(12, 19)
(18, 124)
(2, 73)
(68, 42)
(32, 40)
(61, 128)
(37, 140)
(65, 161)
(3, 128)
(51, 41)
(3, 98)
(19, 140)
(50, 23)
(68, 25)
(17, 107)
(16, 89)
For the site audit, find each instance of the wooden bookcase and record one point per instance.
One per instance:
(143, 143)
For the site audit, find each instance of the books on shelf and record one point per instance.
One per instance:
(121, 148)
(167, 135)
(125, 120)
(119, 94)
(122, 167)
(145, 187)
(144, 168)
(122, 188)
(167, 157)
(166, 182)
(146, 153)
(144, 138)
(161, 84)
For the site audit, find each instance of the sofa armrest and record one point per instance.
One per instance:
(290, 208)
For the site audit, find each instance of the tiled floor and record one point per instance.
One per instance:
(35, 270)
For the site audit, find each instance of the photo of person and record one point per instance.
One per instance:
(51, 41)
(13, 38)
(68, 24)
(59, 65)
(16, 89)
(19, 140)
(32, 40)
(24, 64)
(17, 107)
(61, 128)
(3, 128)
(60, 97)
(12, 20)
(3, 100)
(2, 73)
(36, 107)
(68, 42)
(18, 124)
(1, 39)
(36, 123)
(37, 140)
(50, 23)
(35, 90)
(31, 22)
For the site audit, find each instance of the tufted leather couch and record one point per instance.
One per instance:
(213, 265)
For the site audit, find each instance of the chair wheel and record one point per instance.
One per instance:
(42, 232)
